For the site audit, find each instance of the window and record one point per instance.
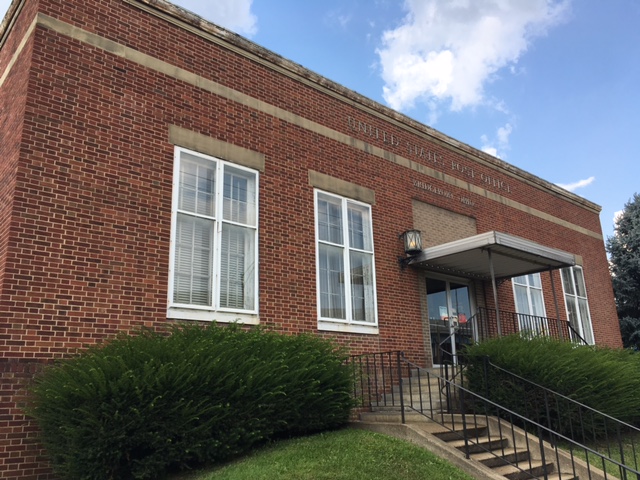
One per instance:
(575, 299)
(345, 263)
(214, 239)
(527, 291)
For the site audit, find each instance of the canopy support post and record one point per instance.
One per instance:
(495, 292)
(555, 302)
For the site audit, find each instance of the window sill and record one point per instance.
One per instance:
(209, 316)
(328, 326)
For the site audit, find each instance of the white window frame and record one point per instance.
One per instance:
(214, 312)
(525, 320)
(347, 324)
(574, 297)
(529, 289)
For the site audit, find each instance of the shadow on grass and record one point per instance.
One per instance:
(346, 454)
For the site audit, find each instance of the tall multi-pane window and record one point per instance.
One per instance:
(575, 298)
(527, 290)
(345, 263)
(214, 254)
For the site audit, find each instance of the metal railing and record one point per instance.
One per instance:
(486, 324)
(389, 381)
(483, 325)
(607, 435)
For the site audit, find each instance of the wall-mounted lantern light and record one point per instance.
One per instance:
(412, 242)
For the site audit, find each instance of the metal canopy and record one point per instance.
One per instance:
(507, 255)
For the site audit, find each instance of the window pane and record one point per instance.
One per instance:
(528, 294)
(215, 264)
(576, 300)
(362, 301)
(330, 219)
(193, 254)
(534, 280)
(197, 185)
(332, 288)
(572, 311)
(237, 267)
(581, 290)
(537, 302)
(239, 196)
(359, 227)
(585, 320)
(522, 280)
(529, 303)
(567, 281)
(346, 279)
(522, 301)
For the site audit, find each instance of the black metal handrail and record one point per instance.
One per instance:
(562, 413)
(449, 369)
(575, 336)
(389, 380)
(451, 366)
(483, 324)
(377, 377)
(486, 321)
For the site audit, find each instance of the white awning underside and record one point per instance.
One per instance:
(508, 255)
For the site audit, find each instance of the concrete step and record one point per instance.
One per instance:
(481, 445)
(416, 392)
(473, 432)
(424, 409)
(437, 371)
(392, 416)
(536, 469)
(494, 459)
(427, 387)
(441, 421)
(423, 377)
(496, 454)
(414, 400)
(562, 476)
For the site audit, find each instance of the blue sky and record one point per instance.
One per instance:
(550, 86)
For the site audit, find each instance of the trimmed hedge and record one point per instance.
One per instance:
(141, 405)
(604, 379)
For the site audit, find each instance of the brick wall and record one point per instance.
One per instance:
(20, 453)
(440, 226)
(87, 176)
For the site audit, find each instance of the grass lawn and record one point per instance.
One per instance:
(347, 454)
(630, 444)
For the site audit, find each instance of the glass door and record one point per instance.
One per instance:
(449, 311)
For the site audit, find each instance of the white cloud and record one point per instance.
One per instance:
(503, 135)
(336, 17)
(234, 15)
(446, 50)
(616, 216)
(490, 150)
(499, 146)
(572, 187)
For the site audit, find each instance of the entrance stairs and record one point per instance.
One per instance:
(484, 446)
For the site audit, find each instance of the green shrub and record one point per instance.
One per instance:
(604, 379)
(141, 405)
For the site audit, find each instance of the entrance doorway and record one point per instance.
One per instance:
(449, 308)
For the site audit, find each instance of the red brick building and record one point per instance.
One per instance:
(156, 168)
